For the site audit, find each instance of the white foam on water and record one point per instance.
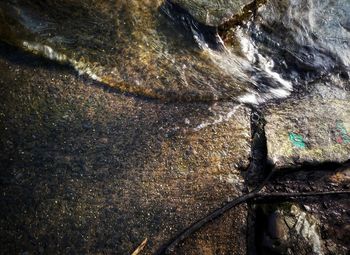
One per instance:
(266, 65)
(251, 99)
(240, 68)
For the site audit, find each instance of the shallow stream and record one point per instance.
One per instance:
(159, 49)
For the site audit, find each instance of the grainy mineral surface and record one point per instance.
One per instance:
(85, 169)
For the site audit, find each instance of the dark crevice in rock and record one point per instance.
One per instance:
(264, 207)
(276, 231)
(251, 230)
(19, 56)
(328, 166)
(257, 229)
(295, 177)
(259, 166)
(304, 184)
(257, 171)
(201, 33)
(247, 13)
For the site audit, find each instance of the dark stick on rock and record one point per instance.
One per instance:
(170, 246)
(265, 197)
(255, 195)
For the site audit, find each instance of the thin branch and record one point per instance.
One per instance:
(263, 197)
(141, 247)
(170, 246)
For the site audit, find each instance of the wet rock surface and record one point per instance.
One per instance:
(160, 62)
(286, 19)
(143, 48)
(213, 13)
(86, 169)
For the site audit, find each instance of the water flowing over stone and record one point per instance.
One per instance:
(87, 169)
(128, 44)
(139, 47)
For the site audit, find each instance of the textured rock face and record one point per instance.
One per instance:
(315, 229)
(294, 231)
(314, 226)
(284, 19)
(88, 170)
(313, 130)
(213, 12)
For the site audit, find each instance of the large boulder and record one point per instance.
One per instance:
(87, 170)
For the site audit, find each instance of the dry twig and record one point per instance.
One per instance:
(141, 247)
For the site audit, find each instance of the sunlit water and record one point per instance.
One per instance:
(156, 49)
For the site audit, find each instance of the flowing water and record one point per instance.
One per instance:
(158, 49)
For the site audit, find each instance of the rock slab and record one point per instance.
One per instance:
(311, 130)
